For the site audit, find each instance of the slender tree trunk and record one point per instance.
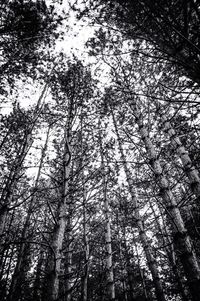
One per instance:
(6, 196)
(182, 241)
(59, 229)
(5, 249)
(142, 275)
(15, 283)
(123, 279)
(38, 282)
(68, 259)
(86, 259)
(84, 288)
(108, 238)
(3, 215)
(171, 256)
(182, 153)
(147, 249)
(123, 270)
(4, 289)
(150, 258)
(110, 277)
(127, 262)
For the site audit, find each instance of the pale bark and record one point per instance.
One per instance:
(59, 229)
(84, 288)
(182, 240)
(108, 237)
(142, 234)
(111, 286)
(182, 153)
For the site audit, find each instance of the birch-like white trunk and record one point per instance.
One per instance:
(183, 243)
(59, 230)
(182, 153)
(108, 237)
(142, 234)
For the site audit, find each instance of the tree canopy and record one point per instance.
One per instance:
(99, 165)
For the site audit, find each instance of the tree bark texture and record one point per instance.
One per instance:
(87, 254)
(110, 277)
(182, 241)
(182, 153)
(142, 234)
(108, 237)
(59, 229)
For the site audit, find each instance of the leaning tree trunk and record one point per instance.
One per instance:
(182, 241)
(142, 234)
(182, 153)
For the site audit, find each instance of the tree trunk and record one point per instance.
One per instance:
(182, 153)
(38, 281)
(86, 259)
(123, 270)
(59, 230)
(68, 259)
(110, 275)
(6, 195)
(15, 283)
(182, 240)
(108, 238)
(144, 241)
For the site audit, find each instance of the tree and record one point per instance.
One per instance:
(27, 29)
(170, 26)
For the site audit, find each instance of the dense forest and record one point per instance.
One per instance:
(100, 150)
